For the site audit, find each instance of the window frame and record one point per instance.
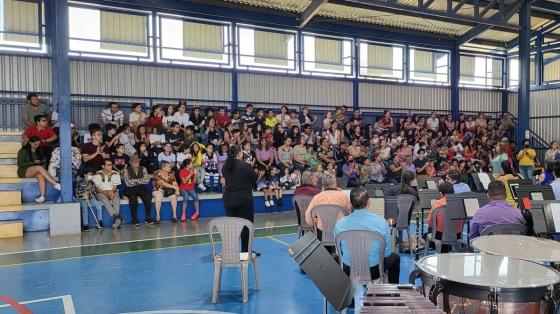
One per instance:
(148, 57)
(424, 81)
(509, 58)
(557, 51)
(327, 73)
(486, 77)
(41, 46)
(403, 77)
(165, 60)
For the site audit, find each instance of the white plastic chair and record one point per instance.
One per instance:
(229, 229)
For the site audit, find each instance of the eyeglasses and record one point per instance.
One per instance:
(108, 164)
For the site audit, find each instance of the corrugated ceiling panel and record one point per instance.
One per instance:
(545, 103)
(285, 5)
(495, 35)
(480, 100)
(282, 89)
(99, 78)
(27, 74)
(404, 97)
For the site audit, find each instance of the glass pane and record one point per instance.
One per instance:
(429, 66)
(381, 61)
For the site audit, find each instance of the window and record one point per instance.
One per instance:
(264, 48)
(481, 71)
(381, 61)
(186, 41)
(513, 71)
(327, 55)
(551, 66)
(429, 66)
(109, 33)
(21, 25)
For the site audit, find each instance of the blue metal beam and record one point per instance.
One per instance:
(506, 14)
(58, 16)
(309, 12)
(538, 59)
(454, 80)
(524, 91)
(546, 29)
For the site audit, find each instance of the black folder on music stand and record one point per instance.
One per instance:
(323, 270)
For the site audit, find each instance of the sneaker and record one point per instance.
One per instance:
(156, 221)
(40, 199)
(183, 217)
(135, 223)
(194, 216)
(148, 221)
(202, 187)
(267, 203)
(271, 203)
(57, 187)
(116, 223)
(85, 228)
(174, 220)
(100, 222)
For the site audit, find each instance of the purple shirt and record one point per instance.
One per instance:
(495, 212)
(265, 155)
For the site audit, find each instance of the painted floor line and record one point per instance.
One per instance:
(279, 241)
(67, 302)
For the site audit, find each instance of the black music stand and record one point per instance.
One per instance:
(324, 271)
(542, 213)
(478, 182)
(526, 194)
(457, 209)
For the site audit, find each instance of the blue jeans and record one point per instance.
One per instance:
(85, 213)
(527, 172)
(186, 193)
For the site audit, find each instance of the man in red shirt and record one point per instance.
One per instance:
(41, 130)
(222, 118)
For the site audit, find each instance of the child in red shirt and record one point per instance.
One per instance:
(188, 180)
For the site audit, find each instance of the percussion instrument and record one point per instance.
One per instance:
(519, 246)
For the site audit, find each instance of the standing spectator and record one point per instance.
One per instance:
(210, 165)
(112, 115)
(33, 108)
(283, 118)
(107, 182)
(165, 185)
(188, 180)
(351, 172)
(248, 118)
(526, 158)
(93, 152)
(136, 179)
(30, 163)
(42, 131)
(499, 156)
(137, 117)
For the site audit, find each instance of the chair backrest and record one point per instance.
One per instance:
(449, 234)
(391, 207)
(342, 182)
(300, 203)
(229, 229)
(512, 229)
(359, 243)
(405, 203)
(376, 190)
(426, 197)
(328, 215)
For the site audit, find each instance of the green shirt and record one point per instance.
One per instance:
(29, 112)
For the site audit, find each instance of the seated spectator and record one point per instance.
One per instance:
(351, 172)
(181, 116)
(127, 138)
(30, 162)
(188, 180)
(43, 132)
(454, 177)
(506, 174)
(331, 195)
(222, 118)
(361, 218)
(136, 179)
(54, 163)
(33, 108)
(85, 193)
(120, 159)
(110, 138)
(167, 154)
(137, 117)
(165, 185)
(155, 118)
(112, 115)
(175, 136)
(107, 182)
(93, 152)
(556, 183)
(378, 169)
(210, 166)
(308, 187)
(497, 211)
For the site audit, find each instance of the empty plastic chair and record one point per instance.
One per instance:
(449, 235)
(328, 214)
(359, 244)
(229, 229)
(512, 229)
(300, 203)
(405, 205)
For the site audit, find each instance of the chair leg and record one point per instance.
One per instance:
(256, 271)
(217, 281)
(409, 241)
(426, 246)
(244, 282)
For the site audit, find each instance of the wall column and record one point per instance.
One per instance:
(523, 102)
(455, 69)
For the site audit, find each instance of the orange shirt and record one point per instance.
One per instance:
(327, 197)
(439, 217)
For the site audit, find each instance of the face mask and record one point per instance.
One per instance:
(90, 177)
(526, 145)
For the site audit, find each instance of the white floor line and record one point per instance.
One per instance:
(67, 302)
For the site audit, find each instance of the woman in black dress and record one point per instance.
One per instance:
(239, 178)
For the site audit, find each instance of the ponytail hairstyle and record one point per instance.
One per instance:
(232, 155)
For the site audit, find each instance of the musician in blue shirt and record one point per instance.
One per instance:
(363, 219)
(454, 178)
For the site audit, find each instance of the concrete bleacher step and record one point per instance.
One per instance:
(10, 198)
(10, 133)
(8, 171)
(11, 208)
(9, 147)
(11, 229)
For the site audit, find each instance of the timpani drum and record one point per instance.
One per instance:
(482, 283)
(519, 246)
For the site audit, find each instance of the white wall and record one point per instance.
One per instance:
(26, 74)
(480, 100)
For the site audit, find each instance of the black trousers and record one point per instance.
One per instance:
(245, 210)
(391, 263)
(135, 192)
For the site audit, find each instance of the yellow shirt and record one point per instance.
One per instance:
(527, 159)
(509, 196)
(271, 122)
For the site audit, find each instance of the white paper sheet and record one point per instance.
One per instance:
(347, 192)
(377, 206)
(555, 209)
(484, 179)
(537, 196)
(513, 188)
(471, 206)
(378, 193)
(431, 185)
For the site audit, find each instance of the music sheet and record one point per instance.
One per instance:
(377, 206)
(471, 206)
(431, 185)
(378, 193)
(484, 179)
(537, 196)
(555, 209)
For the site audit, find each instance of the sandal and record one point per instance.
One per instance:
(194, 217)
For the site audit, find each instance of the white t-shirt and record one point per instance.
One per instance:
(182, 119)
(157, 138)
(116, 118)
(433, 123)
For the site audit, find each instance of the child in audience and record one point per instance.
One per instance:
(196, 154)
(248, 154)
(286, 180)
(431, 169)
(275, 186)
(183, 154)
(222, 156)
(146, 160)
(188, 180)
(157, 139)
(365, 171)
(263, 186)
(120, 158)
(210, 165)
(311, 157)
(168, 155)
(331, 169)
(296, 179)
